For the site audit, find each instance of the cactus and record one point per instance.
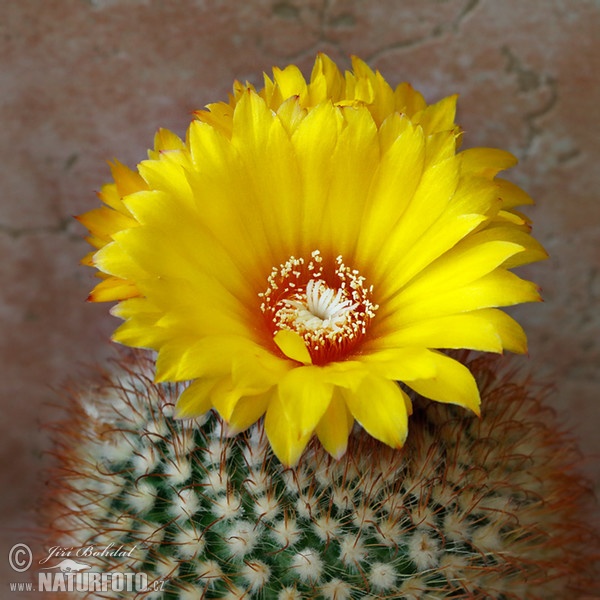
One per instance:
(470, 508)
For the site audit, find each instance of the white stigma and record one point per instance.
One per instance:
(323, 308)
(329, 305)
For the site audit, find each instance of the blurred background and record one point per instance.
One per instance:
(84, 81)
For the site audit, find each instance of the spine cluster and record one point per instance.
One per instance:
(469, 508)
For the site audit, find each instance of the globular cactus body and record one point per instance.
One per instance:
(469, 508)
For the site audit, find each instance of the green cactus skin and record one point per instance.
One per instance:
(470, 508)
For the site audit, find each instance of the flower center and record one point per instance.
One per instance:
(329, 306)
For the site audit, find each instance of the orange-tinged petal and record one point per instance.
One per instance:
(103, 222)
(126, 180)
(113, 289)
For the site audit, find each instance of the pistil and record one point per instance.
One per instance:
(329, 308)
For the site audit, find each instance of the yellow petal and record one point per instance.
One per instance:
(293, 346)
(400, 363)
(486, 161)
(440, 238)
(285, 438)
(400, 168)
(112, 259)
(219, 115)
(165, 140)
(511, 194)
(272, 185)
(234, 401)
(103, 222)
(499, 288)
(465, 263)
(139, 329)
(248, 410)
(355, 157)
(439, 116)
(127, 181)
(346, 374)
(489, 330)
(305, 395)
(453, 384)
(113, 289)
(253, 374)
(379, 406)
(183, 358)
(315, 164)
(408, 100)
(291, 82)
(335, 426)
(326, 81)
(436, 188)
(167, 175)
(532, 249)
(195, 399)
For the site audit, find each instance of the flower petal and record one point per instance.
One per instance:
(335, 426)
(112, 289)
(293, 346)
(489, 330)
(254, 374)
(399, 363)
(305, 394)
(195, 399)
(499, 288)
(189, 358)
(379, 406)
(248, 410)
(286, 440)
(453, 384)
(400, 168)
(435, 190)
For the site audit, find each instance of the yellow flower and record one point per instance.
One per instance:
(308, 246)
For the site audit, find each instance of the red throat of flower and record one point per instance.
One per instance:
(328, 305)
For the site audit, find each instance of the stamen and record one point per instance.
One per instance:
(330, 309)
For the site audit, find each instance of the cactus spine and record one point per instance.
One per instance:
(470, 508)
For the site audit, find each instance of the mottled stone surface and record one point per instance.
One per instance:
(85, 81)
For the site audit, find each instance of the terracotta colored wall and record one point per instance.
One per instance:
(84, 81)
